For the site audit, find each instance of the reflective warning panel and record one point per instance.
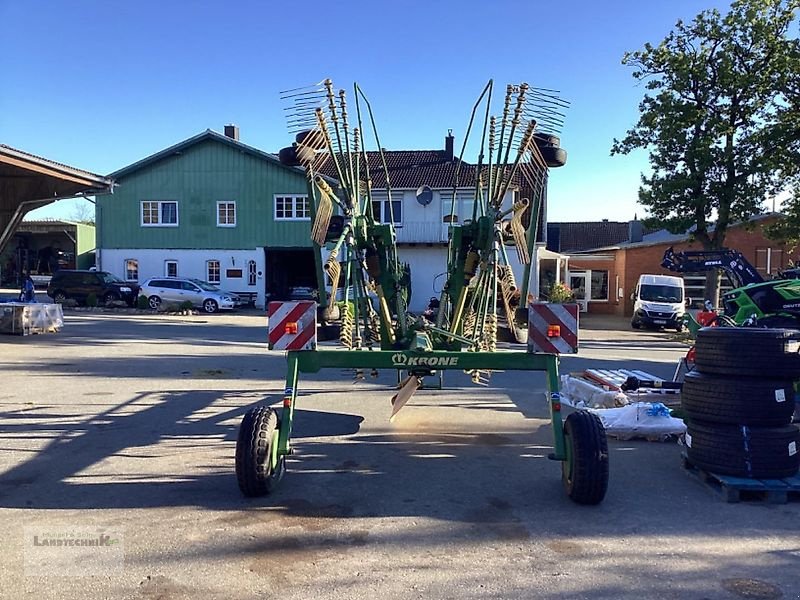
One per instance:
(292, 325)
(553, 328)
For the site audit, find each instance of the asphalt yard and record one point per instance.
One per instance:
(125, 426)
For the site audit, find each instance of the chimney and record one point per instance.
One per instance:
(635, 231)
(232, 131)
(448, 145)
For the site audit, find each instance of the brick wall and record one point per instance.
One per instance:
(628, 263)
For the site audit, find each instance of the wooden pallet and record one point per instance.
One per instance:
(738, 489)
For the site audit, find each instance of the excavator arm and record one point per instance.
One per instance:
(739, 271)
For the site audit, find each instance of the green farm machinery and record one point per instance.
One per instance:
(364, 287)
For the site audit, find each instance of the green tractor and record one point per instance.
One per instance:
(753, 301)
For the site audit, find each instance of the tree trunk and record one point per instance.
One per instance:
(711, 290)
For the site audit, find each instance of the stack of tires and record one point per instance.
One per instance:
(739, 402)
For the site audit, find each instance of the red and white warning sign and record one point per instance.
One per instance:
(292, 325)
(553, 328)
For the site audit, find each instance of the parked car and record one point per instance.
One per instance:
(178, 290)
(78, 285)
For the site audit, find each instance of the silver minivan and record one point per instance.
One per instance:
(177, 290)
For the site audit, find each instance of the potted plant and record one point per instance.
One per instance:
(554, 322)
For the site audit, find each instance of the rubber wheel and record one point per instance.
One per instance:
(754, 401)
(210, 306)
(748, 351)
(257, 472)
(585, 472)
(554, 157)
(154, 302)
(110, 297)
(741, 451)
(636, 325)
(546, 139)
(59, 297)
(288, 156)
(778, 322)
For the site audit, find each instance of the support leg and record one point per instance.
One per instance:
(553, 387)
(287, 416)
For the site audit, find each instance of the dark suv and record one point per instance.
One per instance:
(77, 285)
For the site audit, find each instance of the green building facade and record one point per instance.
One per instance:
(210, 208)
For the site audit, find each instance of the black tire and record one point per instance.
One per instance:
(748, 351)
(254, 448)
(778, 322)
(740, 451)
(679, 328)
(154, 302)
(636, 325)
(110, 297)
(288, 156)
(554, 157)
(546, 139)
(753, 401)
(59, 296)
(210, 306)
(585, 472)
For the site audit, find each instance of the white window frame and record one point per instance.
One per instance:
(167, 263)
(464, 201)
(296, 201)
(127, 270)
(229, 203)
(384, 204)
(608, 286)
(208, 271)
(159, 204)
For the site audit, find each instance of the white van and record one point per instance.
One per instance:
(658, 301)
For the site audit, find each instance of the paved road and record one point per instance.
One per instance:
(129, 424)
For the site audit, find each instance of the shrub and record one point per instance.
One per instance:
(91, 299)
(141, 302)
(561, 294)
(186, 305)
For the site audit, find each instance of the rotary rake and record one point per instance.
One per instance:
(369, 287)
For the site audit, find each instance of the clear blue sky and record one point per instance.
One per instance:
(101, 84)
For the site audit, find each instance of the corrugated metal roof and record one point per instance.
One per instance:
(15, 153)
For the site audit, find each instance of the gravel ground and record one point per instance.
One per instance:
(126, 424)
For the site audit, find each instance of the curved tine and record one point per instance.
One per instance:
(360, 93)
(312, 86)
(486, 89)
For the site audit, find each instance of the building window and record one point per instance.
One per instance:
(464, 204)
(212, 271)
(251, 272)
(384, 209)
(131, 269)
(171, 268)
(226, 214)
(292, 208)
(159, 213)
(599, 285)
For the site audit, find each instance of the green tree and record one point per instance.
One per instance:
(716, 94)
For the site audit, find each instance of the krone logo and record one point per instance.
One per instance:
(399, 359)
